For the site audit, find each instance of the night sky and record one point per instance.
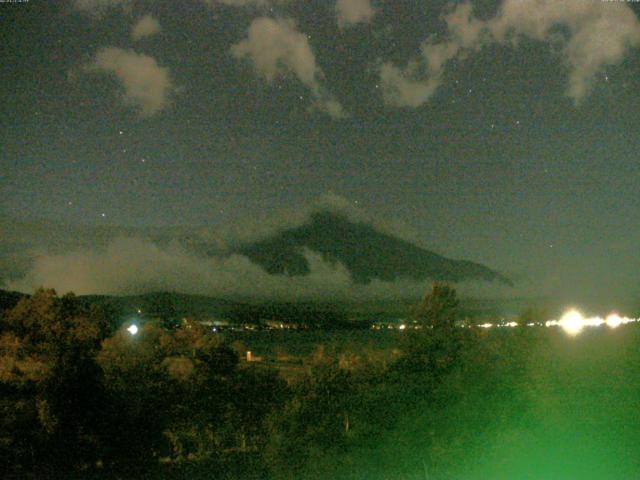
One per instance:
(501, 132)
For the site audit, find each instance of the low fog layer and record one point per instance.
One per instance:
(126, 260)
(123, 260)
(130, 265)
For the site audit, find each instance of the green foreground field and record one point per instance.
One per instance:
(574, 413)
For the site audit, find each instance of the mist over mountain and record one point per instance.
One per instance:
(366, 253)
(328, 252)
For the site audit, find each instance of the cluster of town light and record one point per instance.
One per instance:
(573, 322)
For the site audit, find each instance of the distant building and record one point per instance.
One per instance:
(250, 357)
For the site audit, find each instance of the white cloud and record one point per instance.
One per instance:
(598, 34)
(133, 265)
(122, 261)
(464, 30)
(146, 84)
(401, 90)
(329, 105)
(277, 48)
(418, 82)
(146, 26)
(350, 12)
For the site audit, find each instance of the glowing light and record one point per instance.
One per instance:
(614, 320)
(572, 322)
(133, 329)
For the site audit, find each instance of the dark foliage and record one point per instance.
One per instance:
(80, 400)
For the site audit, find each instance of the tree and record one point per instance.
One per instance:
(256, 392)
(438, 309)
(434, 345)
(50, 382)
(172, 388)
(323, 419)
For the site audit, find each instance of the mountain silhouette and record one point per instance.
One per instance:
(366, 253)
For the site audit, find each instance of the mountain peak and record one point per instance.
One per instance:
(366, 252)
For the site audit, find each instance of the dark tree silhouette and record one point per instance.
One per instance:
(438, 309)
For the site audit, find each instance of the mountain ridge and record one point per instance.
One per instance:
(365, 252)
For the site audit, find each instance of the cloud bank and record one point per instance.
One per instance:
(130, 265)
(589, 36)
(134, 265)
(129, 262)
(275, 48)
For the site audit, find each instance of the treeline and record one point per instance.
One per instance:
(80, 398)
